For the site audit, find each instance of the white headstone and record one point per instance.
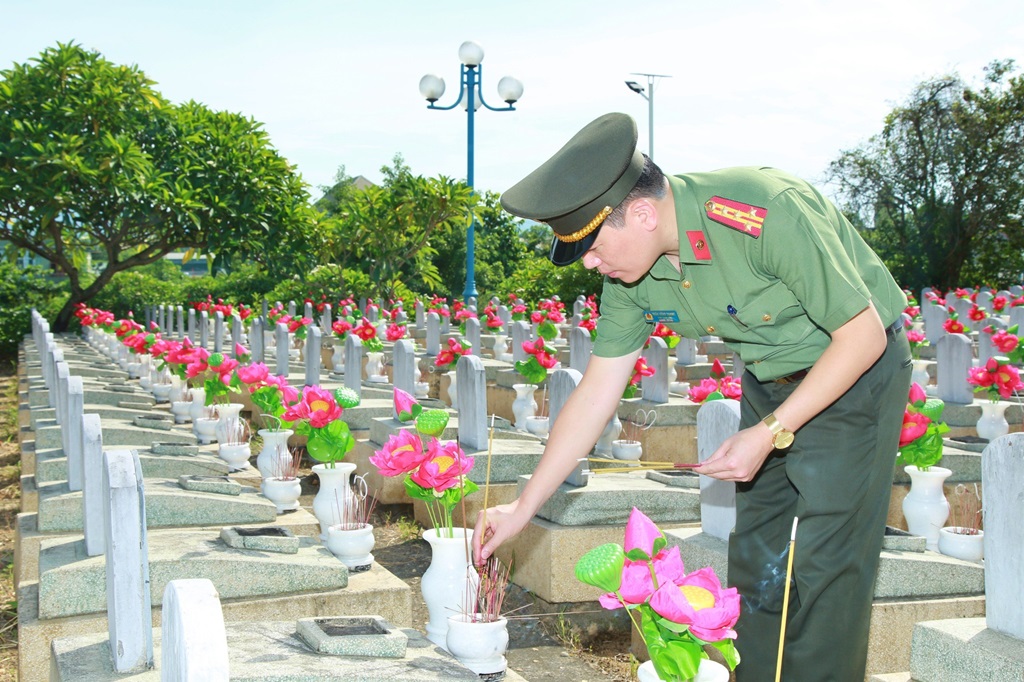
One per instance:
(656, 386)
(129, 619)
(433, 334)
(420, 318)
(281, 348)
(291, 308)
(934, 316)
(686, 351)
(472, 402)
(218, 332)
(236, 333)
(93, 500)
(313, 346)
(404, 371)
(446, 319)
(61, 392)
(204, 329)
(354, 363)
(307, 310)
(520, 334)
(716, 421)
(953, 362)
(181, 322)
(1002, 477)
(192, 325)
(326, 318)
(1017, 317)
(72, 443)
(984, 300)
(473, 335)
(256, 340)
(561, 384)
(193, 641)
(962, 306)
(580, 348)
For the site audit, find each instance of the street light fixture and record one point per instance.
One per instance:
(639, 89)
(471, 97)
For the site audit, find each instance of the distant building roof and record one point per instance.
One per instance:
(359, 182)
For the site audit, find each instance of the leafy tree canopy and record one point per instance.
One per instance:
(940, 190)
(94, 160)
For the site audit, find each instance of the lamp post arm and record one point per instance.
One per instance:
(462, 92)
(480, 92)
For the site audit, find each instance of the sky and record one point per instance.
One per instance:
(785, 83)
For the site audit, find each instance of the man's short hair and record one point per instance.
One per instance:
(650, 185)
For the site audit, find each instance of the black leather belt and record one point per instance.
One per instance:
(798, 375)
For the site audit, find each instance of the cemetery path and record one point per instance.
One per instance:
(10, 504)
(544, 649)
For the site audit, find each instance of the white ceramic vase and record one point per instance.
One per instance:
(992, 423)
(453, 395)
(628, 450)
(610, 433)
(375, 368)
(925, 507)
(283, 492)
(274, 455)
(479, 645)
(198, 403)
(448, 579)
(338, 357)
(500, 341)
(707, 671)
(538, 426)
(919, 375)
(162, 392)
(955, 543)
(181, 409)
(524, 405)
(236, 455)
(352, 547)
(205, 429)
(230, 425)
(333, 494)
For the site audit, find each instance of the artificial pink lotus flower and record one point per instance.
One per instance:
(642, 534)
(915, 425)
(1004, 341)
(700, 602)
(394, 332)
(365, 330)
(402, 453)
(406, 406)
(701, 391)
(341, 328)
(289, 394)
(917, 396)
(953, 326)
(256, 373)
(915, 336)
(1007, 379)
(731, 387)
(640, 370)
(316, 405)
(444, 466)
(240, 351)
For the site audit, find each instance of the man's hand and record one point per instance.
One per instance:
(493, 527)
(740, 457)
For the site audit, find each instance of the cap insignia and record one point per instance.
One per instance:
(737, 215)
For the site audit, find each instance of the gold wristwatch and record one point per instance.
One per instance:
(781, 438)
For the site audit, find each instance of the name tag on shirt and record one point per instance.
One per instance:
(663, 316)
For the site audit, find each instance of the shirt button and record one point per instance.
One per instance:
(711, 329)
(766, 317)
(686, 284)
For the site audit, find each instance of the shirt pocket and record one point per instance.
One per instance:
(774, 317)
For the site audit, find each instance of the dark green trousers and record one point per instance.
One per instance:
(836, 477)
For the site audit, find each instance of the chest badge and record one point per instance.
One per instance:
(737, 215)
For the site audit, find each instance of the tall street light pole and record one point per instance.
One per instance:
(471, 97)
(649, 96)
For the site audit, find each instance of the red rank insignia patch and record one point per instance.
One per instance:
(699, 245)
(739, 216)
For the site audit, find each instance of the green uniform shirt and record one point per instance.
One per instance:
(775, 297)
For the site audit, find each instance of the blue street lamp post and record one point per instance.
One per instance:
(471, 96)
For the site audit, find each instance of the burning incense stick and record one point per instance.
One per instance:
(785, 600)
(487, 479)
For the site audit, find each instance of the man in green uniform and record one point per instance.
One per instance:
(763, 260)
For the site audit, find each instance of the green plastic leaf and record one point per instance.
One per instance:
(346, 397)
(602, 567)
(531, 370)
(432, 422)
(728, 650)
(714, 395)
(547, 330)
(637, 554)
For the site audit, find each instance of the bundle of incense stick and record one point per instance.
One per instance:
(640, 466)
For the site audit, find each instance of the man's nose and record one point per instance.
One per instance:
(590, 261)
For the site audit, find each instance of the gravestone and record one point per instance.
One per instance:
(92, 486)
(520, 335)
(579, 304)
(419, 318)
(984, 300)
(1002, 475)
(505, 315)
(962, 306)
(313, 346)
(236, 334)
(129, 619)
(472, 402)
(716, 421)
(326, 318)
(433, 335)
(655, 387)
(1017, 317)
(62, 374)
(372, 314)
(291, 308)
(473, 335)
(181, 322)
(281, 348)
(307, 310)
(953, 363)
(686, 351)
(934, 316)
(192, 325)
(446, 319)
(354, 363)
(580, 348)
(71, 433)
(256, 340)
(264, 308)
(218, 332)
(204, 330)
(404, 371)
(562, 383)
(193, 641)
(986, 349)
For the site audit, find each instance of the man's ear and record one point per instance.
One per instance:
(645, 213)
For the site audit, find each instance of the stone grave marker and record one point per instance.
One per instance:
(354, 363)
(984, 300)
(192, 325)
(472, 402)
(934, 316)
(404, 370)
(655, 387)
(326, 318)
(129, 619)
(953, 363)
(962, 306)
(580, 348)
(562, 383)
(1017, 317)
(236, 334)
(420, 317)
(256, 340)
(218, 332)
(686, 351)
(473, 335)
(193, 640)
(505, 315)
(264, 308)
(446, 319)
(433, 334)
(281, 348)
(716, 421)
(71, 434)
(372, 314)
(987, 349)
(520, 335)
(313, 346)
(1002, 475)
(181, 323)
(204, 329)
(92, 486)
(291, 308)
(61, 393)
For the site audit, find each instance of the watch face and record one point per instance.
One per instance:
(782, 440)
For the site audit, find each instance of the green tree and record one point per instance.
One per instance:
(389, 232)
(940, 191)
(94, 160)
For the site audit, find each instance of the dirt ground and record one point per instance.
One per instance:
(544, 645)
